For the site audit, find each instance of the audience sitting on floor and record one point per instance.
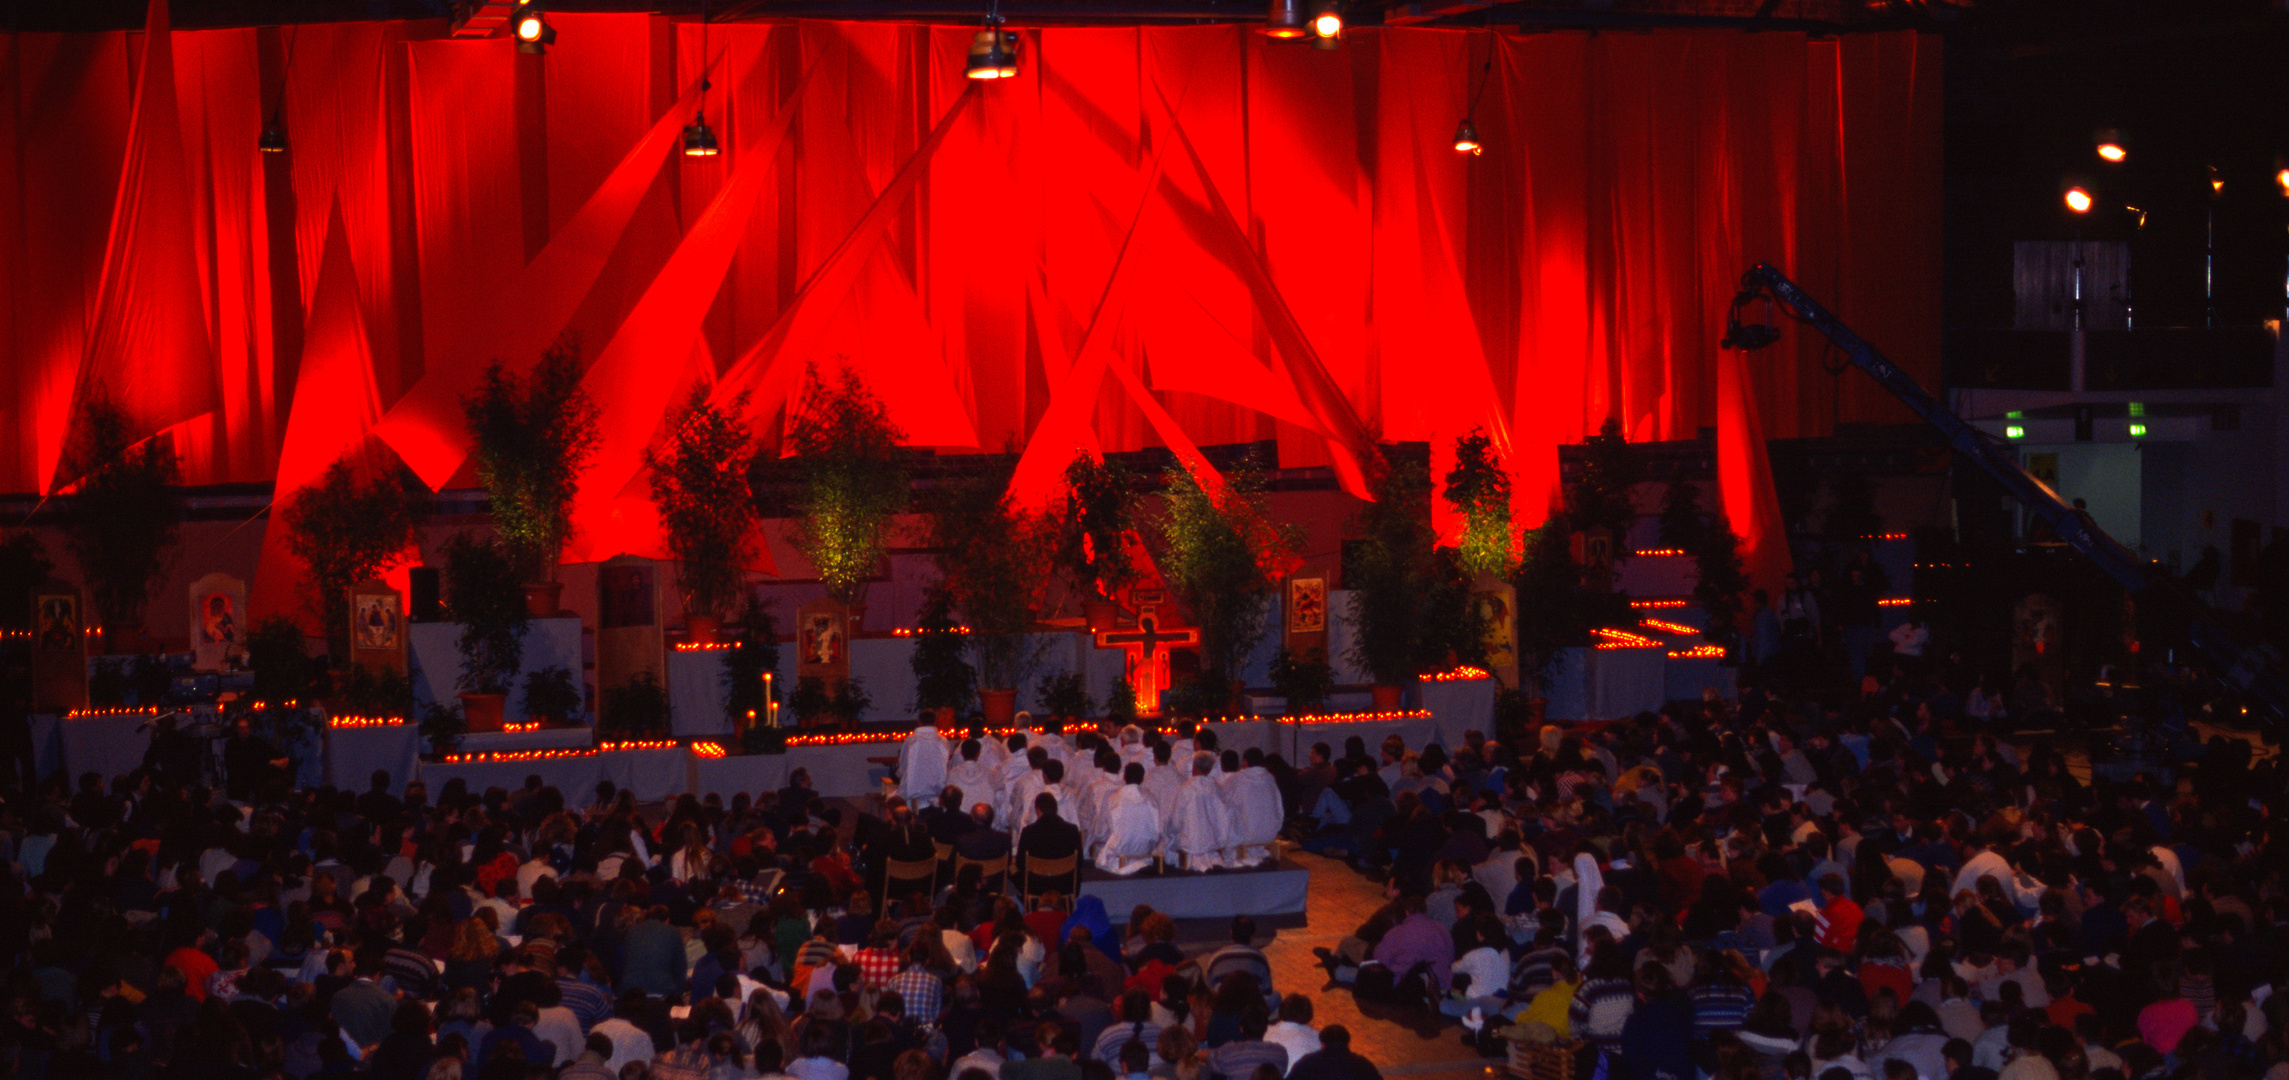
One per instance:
(1768, 889)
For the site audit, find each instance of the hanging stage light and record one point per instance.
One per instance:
(2110, 148)
(1466, 138)
(273, 140)
(993, 54)
(2078, 200)
(1287, 20)
(699, 139)
(533, 33)
(1328, 25)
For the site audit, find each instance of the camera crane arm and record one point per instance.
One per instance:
(2246, 668)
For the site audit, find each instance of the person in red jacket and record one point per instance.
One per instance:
(1842, 913)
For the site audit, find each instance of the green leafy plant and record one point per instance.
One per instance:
(482, 594)
(1479, 488)
(993, 558)
(282, 671)
(1304, 680)
(347, 529)
(1720, 582)
(124, 516)
(1121, 704)
(533, 436)
(1551, 614)
(1598, 494)
(636, 709)
(441, 728)
(365, 691)
(943, 677)
(814, 699)
(551, 695)
(854, 480)
(1099, 511)
(700, 486)
(1221, 556)
(753, 651)
(1064, 694)
(1389, 573)
(1682, 528)
(1453, 629)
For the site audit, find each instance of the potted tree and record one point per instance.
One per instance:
(853, 485)
(346, 528)
(699, 483)
(1389, 572)
(943, 677)
(482, 594)
(1222, 557)
(1092, 549)
(123, 522)
(993, 557)
(636, 709)
(533, 436)
(754, 652)
(551, 697)
(1480, 488)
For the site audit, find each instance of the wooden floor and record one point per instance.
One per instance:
(1400, 1044)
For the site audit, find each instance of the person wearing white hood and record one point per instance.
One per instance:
(1199, 827)
(922, 763)
(1133, 833)
(1164, 778)
(977, 780)
(1257, 811)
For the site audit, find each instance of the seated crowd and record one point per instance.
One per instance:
(1751, 892)
(158, 929)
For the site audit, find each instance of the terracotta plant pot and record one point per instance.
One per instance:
(543, 599)
(1102, 615)
(1000, 706)
(482, 712)
(1387, 698)
(703, 629)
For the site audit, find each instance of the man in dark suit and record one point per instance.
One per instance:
(983, 843)
(1050, 836)
(945, 820)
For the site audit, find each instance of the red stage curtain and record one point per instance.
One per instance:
(1306, 250)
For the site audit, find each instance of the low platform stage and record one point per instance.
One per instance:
(1279, 889)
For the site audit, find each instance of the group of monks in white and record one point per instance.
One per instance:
(1136, 802)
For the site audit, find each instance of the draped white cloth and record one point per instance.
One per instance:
(922, 766)
(1257, 812)
(980, 783)
(1200, 824)
(1161, 783)
(1133, 832)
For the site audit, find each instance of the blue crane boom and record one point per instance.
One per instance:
(2248, 669)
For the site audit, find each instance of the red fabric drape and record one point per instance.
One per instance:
(150, 351)
(1309, 245)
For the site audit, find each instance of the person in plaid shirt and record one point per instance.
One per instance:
(921, 989)
(878, 961)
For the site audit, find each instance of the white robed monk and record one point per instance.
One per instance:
(1199, 827)
(1257, 810)
(970, 772)
(922, 764)
(1163, 779)
(1133, 833)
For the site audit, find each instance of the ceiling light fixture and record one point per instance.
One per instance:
(699, 139)
(1287, 20)
(534, 34)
